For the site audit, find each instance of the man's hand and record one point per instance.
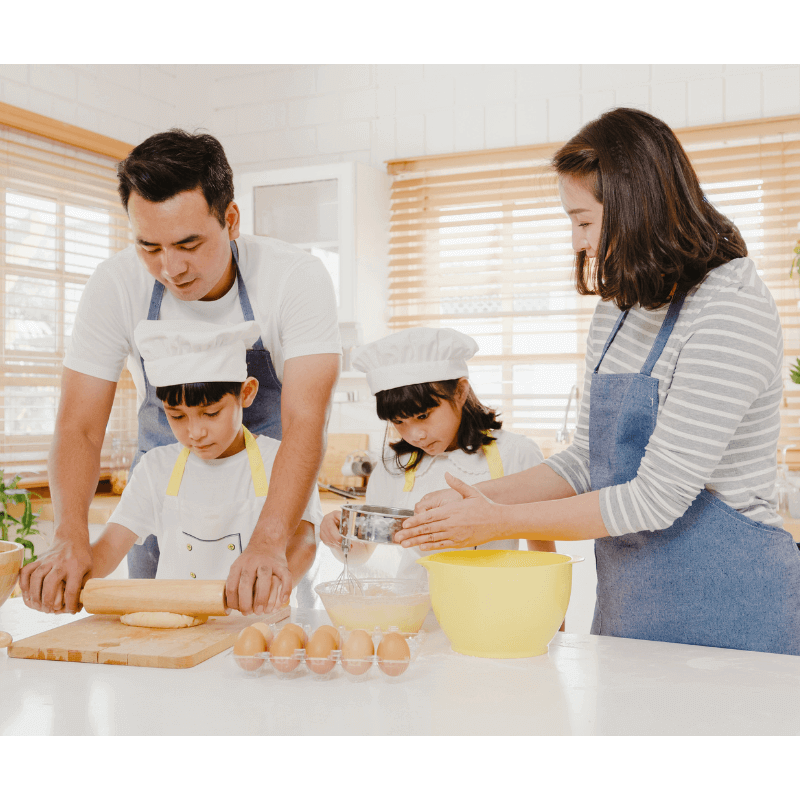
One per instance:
(53, 582)
(259, 581)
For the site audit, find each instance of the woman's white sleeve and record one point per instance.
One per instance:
(572, 463)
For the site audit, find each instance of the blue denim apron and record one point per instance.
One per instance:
(714, 577)
(262, 417)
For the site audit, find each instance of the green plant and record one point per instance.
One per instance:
(26, 524)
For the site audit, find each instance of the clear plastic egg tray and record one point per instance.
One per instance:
(299, 665)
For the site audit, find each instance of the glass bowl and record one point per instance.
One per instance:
(398, 603)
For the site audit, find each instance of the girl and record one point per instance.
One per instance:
(419, 379)
(672, 470)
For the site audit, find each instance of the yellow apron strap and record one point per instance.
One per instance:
(257, 470)
(177, 473)
(411, 475)
(492, 453)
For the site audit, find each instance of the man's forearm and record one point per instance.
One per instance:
(293, 478)
(73, 470)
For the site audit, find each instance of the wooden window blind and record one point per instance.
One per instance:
(479, 242)
(60, 216)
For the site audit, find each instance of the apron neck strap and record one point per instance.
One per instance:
(666, 329)
(660, 342)
(257, 471)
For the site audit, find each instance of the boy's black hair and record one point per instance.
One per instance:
(198, 394)
(408, 401)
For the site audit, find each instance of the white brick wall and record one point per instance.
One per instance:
(126, 102)
(379, 112)
(289, 115)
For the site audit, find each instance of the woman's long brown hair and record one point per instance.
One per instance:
(658, 227)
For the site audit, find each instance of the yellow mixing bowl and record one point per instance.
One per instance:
(499, 603)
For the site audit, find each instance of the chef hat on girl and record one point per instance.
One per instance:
(416, 355)
(193, 351)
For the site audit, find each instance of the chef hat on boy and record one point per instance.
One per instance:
(193, 351)
(416, 355)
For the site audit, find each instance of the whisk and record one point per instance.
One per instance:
(346, 583)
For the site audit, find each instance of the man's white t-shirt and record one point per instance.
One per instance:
(290, 291)
(205, 483)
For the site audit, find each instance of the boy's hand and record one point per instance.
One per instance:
(259, 581)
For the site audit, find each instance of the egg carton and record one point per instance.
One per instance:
(300, 665)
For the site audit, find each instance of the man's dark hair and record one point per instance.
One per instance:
(176, 161)
(197, 394)
(417, 398)
(658, 229)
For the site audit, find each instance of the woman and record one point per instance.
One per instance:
(673, 466)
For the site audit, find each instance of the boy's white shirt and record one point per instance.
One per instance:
(385, 488)
(222, 480)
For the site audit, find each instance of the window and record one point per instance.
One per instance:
(60, 216)
(479, 243)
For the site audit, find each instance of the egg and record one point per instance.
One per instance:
(248, 643)
(282, 650)
(318, 652)
(301, 634)
(265, 631)
(332, 631)
(393, 648)
(357, 652)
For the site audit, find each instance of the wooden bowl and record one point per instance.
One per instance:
(11, 557)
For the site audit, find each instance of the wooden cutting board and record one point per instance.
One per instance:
(103, 639)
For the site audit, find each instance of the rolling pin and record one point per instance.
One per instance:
(195, 598)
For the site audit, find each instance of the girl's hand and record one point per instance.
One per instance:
(475, 520)
(329, 529)
(435, 499)
(329, 534)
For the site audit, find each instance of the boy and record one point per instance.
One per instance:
(202, 496)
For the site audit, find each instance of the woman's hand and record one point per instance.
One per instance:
(473, 521)
(435, 499)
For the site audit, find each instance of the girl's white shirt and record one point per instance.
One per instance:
(385, 488)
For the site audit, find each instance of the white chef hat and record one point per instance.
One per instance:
(193, 351)
(416, 355)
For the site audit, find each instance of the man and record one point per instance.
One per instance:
(188, 261)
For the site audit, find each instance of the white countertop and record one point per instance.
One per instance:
(585, 685)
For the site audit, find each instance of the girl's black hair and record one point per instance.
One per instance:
(197, 394)
(408, 401)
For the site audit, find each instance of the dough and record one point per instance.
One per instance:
(160, 619)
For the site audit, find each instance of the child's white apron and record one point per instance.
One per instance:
(202, 542)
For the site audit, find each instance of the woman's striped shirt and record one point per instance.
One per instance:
(720, 385)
